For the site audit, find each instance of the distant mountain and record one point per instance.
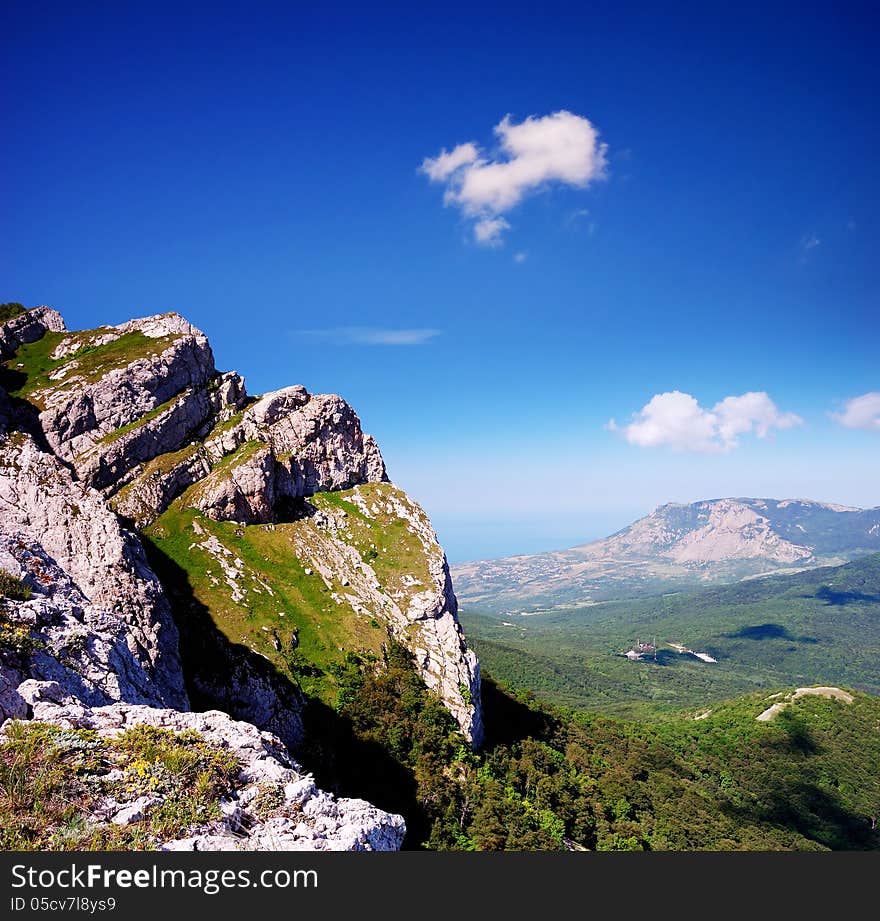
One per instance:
(715, 541)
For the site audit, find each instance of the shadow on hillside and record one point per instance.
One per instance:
(11, 379)
(789, 797)
(838, 599)
(817, 814)
(506, 720)
(346, 765)
(768, 632)
(217, 672)
(25, 416)
(669, 657)
(289, 509)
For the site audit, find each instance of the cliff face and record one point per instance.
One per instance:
(179, 535)
(48, 514)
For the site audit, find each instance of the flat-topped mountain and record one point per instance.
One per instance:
(718, 540)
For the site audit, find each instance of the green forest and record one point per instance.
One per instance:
(819, 626)
(809, 779)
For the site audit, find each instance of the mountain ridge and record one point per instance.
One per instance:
(676, 545)
(169, 541)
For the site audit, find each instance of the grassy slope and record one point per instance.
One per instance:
(817, 626)
(88, 362)
(326, 630)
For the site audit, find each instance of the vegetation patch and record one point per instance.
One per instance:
(277, 603)
(383, 539)
(551, 779)
(282, 612)
(53, 781)
(13, 587)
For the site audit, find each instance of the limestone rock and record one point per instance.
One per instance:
(159, 482)
(320, 445)
(108, 463)
(272, 407)
(42, 505)
(80, 408)
(245, 491)
(76, 644)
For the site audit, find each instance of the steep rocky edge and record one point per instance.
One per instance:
(137, 419)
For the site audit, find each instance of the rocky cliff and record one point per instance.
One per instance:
(183, 543)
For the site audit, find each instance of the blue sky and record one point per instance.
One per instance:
(257, 167)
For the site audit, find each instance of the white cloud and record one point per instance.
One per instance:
(861, 412)
(445, 164)
(561, 147)
(520, 257)
(367, 335)
(676, 419)
(488, 230)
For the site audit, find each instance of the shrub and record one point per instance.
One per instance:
(10, 310)
(13, 587)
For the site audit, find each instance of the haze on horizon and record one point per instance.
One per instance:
(566, 268)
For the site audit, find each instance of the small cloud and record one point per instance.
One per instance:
(367, 335)
(810, 241)
(561, 147)
(575, 217)
(861, 412)
(520, 257)
(488, 230)
(677, 420)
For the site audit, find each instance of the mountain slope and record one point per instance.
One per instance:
(167, 541)
(720, 540)
(139, 413)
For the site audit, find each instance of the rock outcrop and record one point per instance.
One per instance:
(139, 413)
(123, 395)
(419, 606)
(59, 635)
(28, 327)
(288, 445)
